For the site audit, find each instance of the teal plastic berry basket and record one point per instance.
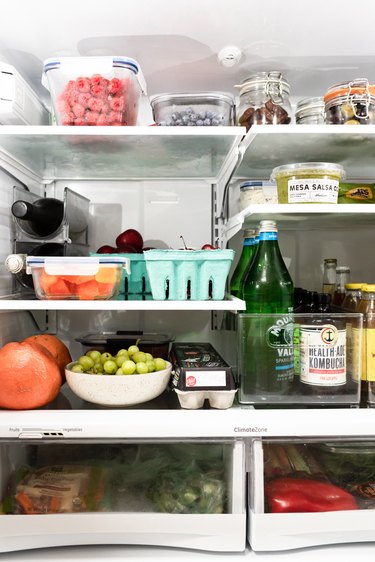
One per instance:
(188, 274)
(137, 282)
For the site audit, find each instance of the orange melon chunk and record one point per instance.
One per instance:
(87, 291)
(106, 275)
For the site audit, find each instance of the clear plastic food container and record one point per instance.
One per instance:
(198, 109)
(94, 90)
(308, 182)
(79, 278)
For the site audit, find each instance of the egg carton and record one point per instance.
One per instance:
(188, 274)
(194, 399)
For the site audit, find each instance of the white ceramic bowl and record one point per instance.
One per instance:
(118, 390)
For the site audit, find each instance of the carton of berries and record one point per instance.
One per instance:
(94, 90)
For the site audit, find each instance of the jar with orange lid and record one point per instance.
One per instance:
(350, 103)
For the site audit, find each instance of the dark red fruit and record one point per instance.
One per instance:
(106, 250)
(208, 247)
(126, 249)
(130, 237)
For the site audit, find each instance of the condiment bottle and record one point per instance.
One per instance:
(342, 279)
(367, 307)
(352, 296)
(266, 355)
(329, 275)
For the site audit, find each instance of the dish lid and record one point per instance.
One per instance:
(75, 66)
(357, 88)
(105, 337)
(195, 97)
(250, 184)
(310, 166)
(66, 265)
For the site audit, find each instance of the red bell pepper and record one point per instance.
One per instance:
(302, 495)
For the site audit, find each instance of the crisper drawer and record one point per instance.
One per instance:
(306, 492)
(187, 494)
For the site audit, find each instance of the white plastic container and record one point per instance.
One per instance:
(94, 90)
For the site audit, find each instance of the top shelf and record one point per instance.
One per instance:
(104, 153)
(268, 146)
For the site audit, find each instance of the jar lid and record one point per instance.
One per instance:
(343, 269)
(249, 232)
(370, 288)
(330, 260)
(327, 167)
(272, 81)
(316, 103)
(356, 88)
(248, 185)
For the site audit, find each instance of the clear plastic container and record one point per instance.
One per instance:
(78, 278)
(264, 100)
(257, 192)
(308, 182)
(350, 103)
(310, 111)
(198, 109)
(94, 90)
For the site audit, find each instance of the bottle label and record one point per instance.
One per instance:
(249, 242)
(313, 190)
(323, 355)
(280, 337)
(267, 236)
(368, 355)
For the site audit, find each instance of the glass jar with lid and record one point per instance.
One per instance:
(264, 100)
(353, 292)
(310, 111)
(350, 103)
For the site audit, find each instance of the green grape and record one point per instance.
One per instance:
(110, 367)
(94, 354)
(133, 349)
(149, 357)
(86, 362)
(139, 357)
(150, 366)
(141, 368)
(77, 368)
(120, 359)
(98, 368)
(122, 352)
(160, 364)
(119, 371)
(128, 367)
(106, 356)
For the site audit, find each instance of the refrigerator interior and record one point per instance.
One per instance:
(168, 189)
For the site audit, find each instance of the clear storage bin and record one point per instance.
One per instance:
(306, 492)
(295, 360)
(137, 281)
(94, 90)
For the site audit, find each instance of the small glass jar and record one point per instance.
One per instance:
(264, 100)
(350, 103)
(353, 292)
(310, 111)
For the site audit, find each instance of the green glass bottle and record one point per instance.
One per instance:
(249, 245)
(266, 329)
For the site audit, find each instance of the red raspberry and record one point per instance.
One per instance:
(78, 110)
(62, 105)
(114, 116)
(84, 98)
(98, 91)
(83, 84)
(67, 118)
(102, 120)
(79, 122)
(98, 80)
(73, 96)
(91, 117)
(95, 104)
(117, 103)
(114, 86)
(106, 108)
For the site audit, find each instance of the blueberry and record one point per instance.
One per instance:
(210, 114)
(199, 122)
(207, 122)
(175, 116)
(178, 122)
(189, 110)
(193, 117)
(185, 119)
(215, 122)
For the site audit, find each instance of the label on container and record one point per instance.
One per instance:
(280, 337)
(205, 379)
(368, 355)
(323, 355)
(313, 190)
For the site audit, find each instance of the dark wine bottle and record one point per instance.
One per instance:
(41, 218)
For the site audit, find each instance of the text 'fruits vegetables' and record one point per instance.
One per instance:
(29, 376)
